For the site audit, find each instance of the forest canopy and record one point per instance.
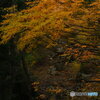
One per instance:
(44, 22)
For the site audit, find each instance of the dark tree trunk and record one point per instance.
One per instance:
(25, 69)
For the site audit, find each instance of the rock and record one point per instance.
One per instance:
(52, 70)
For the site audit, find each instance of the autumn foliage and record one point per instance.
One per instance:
(44, 22)
(52, 45)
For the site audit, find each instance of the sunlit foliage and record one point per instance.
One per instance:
(50, 20)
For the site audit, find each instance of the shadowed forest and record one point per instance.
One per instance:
(49, 48)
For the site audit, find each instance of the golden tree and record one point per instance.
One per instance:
(46, 21)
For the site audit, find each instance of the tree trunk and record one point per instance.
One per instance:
(25, 69)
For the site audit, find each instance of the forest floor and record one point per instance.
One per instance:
(58, 86)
